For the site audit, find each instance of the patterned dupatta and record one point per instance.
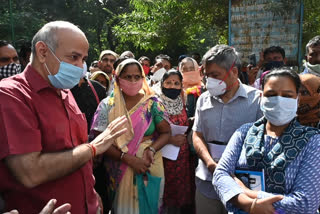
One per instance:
(290, 144)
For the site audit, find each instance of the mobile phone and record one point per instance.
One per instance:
(252, 60)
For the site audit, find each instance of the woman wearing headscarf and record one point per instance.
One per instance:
(135, 152)
(179, 187)
(102, 78)
(192, 83)
(309, 100)
(279, 145)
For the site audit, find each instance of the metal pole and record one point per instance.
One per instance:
(300, 36)
(11, 22)
(229, 27)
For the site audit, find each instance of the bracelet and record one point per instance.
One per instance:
(253, 205)
(93, 149)
(152, 149)
(122, 155)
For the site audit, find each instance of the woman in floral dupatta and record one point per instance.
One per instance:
(136, 151)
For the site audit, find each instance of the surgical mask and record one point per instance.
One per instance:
(130, 88)
(191, 78)
(157, 76)
(279, 110)
(273, 64)
(172, 93)
(315, 68)
(216, 87)
(68, 75)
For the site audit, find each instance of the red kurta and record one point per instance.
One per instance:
(179, 187)
(34, 118)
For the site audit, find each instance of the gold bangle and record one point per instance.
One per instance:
(152, 149)
(253, 205)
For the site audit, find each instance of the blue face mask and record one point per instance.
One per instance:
(68, 75)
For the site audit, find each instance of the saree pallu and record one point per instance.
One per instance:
(126, 199)
(122, 185)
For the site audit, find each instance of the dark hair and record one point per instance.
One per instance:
(224, 56)
(163, 56)
(4, 43)
(131, 63)
(94, 64)
(315, 41)
(274, 49)
(169, 73)
(283, 72)
(181, 57)
(119, 60)
(144, 58)
(25, 49)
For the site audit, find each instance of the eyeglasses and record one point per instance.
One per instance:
(8, 59)
(132, 77)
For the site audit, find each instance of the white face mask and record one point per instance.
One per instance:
(279, 110)
(157, 76)
(216, 87)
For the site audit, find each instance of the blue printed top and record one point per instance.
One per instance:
(302, 186)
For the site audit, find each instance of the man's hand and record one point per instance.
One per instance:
(252, 74)
(264, 206)
(116, 128)
(211, 167)
(49, 208)
(178, 140)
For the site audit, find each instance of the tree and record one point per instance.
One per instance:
(95, 17)
(311, 20)
(174, 26)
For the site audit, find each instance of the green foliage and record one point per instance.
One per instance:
(147, 27)
(174, 26)
(95, 17)
(311, 21)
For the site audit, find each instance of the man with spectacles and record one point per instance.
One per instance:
(224, 107)
(9, 60)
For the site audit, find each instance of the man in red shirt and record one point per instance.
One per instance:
(44, 150)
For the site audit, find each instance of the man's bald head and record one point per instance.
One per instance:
(49, 34)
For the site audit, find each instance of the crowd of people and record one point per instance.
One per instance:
(101, 138)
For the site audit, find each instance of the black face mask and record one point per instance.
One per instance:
(273, 64)
(172, 93)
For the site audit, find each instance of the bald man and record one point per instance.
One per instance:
(45, 152)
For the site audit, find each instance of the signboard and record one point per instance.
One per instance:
(255, 25)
